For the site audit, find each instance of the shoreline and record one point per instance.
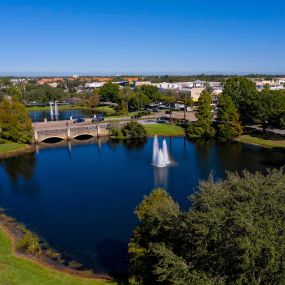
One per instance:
(269, 144)
(16, 152)
(11, 230)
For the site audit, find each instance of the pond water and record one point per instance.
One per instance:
(39, 116)
(81, 196)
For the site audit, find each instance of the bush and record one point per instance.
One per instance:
(15, 123)
(29, 242)
(232, 234)
(134, 130)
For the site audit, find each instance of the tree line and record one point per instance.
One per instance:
(239, 105)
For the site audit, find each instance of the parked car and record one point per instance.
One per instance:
(163, 120)
(136, 117)
(79, 120)
(168, 112)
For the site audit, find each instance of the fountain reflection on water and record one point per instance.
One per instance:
(160, 157)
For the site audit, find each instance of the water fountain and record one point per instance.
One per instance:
(56, 110)
(160, 157)
(51, 110)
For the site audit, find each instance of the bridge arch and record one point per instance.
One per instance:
(83, 137)
(52, 139)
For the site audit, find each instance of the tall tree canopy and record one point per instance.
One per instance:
(15, 124)
(204, 125)
(234, 233)
(228, 118)
(244, 95)
(109, 91)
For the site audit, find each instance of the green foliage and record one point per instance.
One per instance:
(29, 242)
(15, 124)
(109, 91)
(43, 93)
(134, 130)
(139, 100)
(151, 92)
(204, 125)
(233, 234)
(244, 95)
(94, 99)
(228, 118)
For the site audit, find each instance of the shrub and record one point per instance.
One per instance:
(29, 242)
(134, 130)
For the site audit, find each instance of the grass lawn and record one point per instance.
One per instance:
(164, 130)
(262, 142)
(21, 271)
(10, 146)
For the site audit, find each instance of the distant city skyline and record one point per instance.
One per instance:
(49, 38)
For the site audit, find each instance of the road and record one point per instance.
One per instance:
(144, 120)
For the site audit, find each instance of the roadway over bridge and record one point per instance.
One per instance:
(65, 131)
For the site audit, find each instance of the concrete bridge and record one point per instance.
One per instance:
(70, 132)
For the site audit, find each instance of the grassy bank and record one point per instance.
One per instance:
(8, 147)
(21, 271)
(262, 142)
(164, 130)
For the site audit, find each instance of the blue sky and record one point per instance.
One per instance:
(147, 36)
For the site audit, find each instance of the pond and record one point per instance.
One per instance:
(39, 116)
(80, 196)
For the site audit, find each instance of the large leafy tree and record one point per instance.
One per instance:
(270, 107)
(204, 125)
(109, 91)
(151, 92)
(244, 95)
(43, 93)
(232, 234)
(15, 124)
(228, 118)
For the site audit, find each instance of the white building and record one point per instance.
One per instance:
(93, 85)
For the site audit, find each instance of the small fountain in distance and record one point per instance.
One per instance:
(160, 157)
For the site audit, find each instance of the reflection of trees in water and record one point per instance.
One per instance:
(135, 144)
(20, 166)
(130, 144)
(113, 255)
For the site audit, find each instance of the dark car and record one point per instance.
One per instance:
(163, 120)
(79, 120)
(136, 117)
(98, 119)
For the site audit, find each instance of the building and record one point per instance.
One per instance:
(93, 85)
(196, 92)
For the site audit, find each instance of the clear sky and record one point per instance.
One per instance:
(146, 36)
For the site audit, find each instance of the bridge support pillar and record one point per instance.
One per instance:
(98, 131)
(68, 133)
(36, 136)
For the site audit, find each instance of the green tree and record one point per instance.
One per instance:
(134, 130)
(151, 92)
(186, 99)
(123, 98)
(15, 124)
(270, 107)
(204, 125)
(94, 99)
(244, 95)
(138, 100)
(109, 91)
(232, 234)
(228, 118)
